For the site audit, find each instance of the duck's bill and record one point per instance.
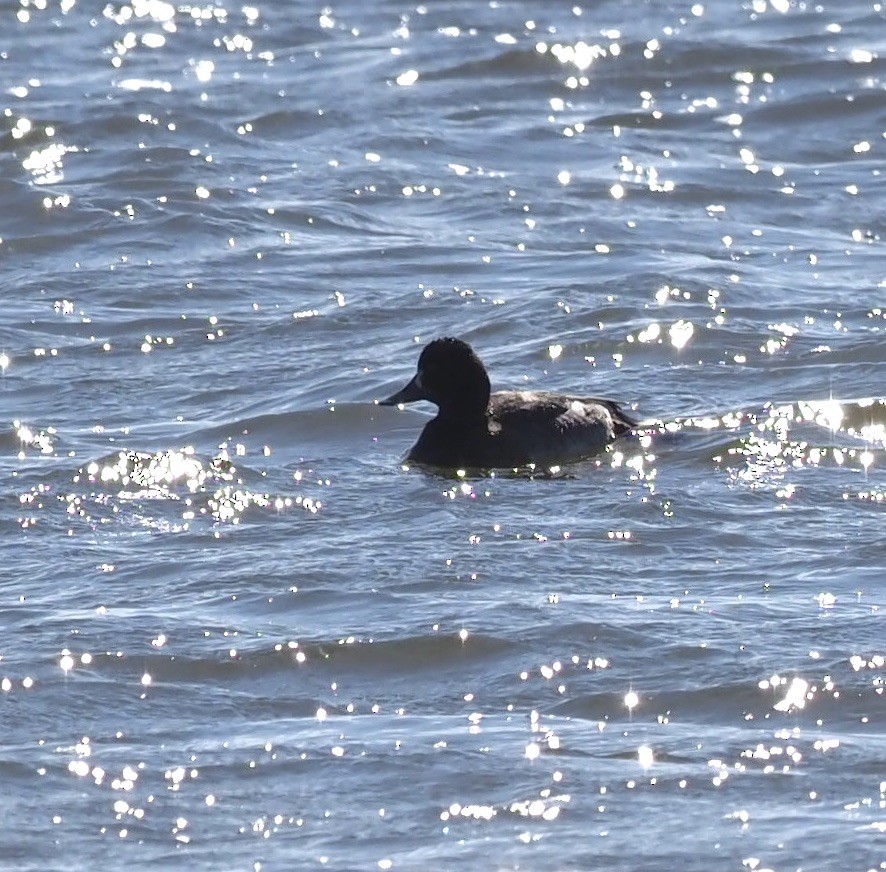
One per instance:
(412, 392)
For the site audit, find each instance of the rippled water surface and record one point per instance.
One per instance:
(239, 634)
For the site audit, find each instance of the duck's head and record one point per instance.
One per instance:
(451, 376)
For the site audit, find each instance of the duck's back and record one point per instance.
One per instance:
(555, 428)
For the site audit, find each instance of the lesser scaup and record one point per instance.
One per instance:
(477, 429)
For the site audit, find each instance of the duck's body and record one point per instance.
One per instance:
(478, 429)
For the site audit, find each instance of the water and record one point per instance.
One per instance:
(237, 634)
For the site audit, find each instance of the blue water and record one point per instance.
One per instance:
(237, 633)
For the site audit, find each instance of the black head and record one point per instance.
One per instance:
(449, 375)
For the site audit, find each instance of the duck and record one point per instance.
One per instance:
(478, 429)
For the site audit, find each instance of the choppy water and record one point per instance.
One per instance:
(236, 634)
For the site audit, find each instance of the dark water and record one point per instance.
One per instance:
(237, 634)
